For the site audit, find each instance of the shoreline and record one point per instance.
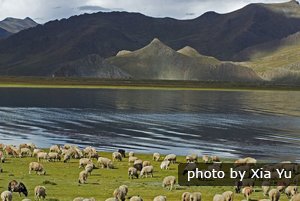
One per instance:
(90, 83)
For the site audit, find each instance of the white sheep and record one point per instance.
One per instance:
(131, 154)
(136, 198)
(119, 194)
(160, 198)
(132, 172)
(148, 170)
(83, 175)
(131, 159)
(89, 168)
(146, 163)
(265, 187)
(156, 156)
(42, 156)
(40, 192)
(274, 195)
(124, 189)
(25, 152)
(169, 181)
(55, 148)
(116, 156)
(185, 196)
(296, 197)
(191, 158)
(228, 195)
(37, 167)
(84, 161)
(218, 197)
(36, 151)
(165, 165)
(247, 191)
(105, 163)
(6, 196)
(196, 196)
(26, 199)
(291, 191)
(53, 156)
(171, 158)
(205, 159)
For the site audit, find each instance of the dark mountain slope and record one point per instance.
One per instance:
(105, 34)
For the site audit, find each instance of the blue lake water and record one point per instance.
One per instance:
(262, 124)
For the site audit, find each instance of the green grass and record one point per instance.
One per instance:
(91, 83)
(61, 181)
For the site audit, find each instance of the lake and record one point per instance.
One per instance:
(262, 124)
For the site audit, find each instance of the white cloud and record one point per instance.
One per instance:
(45, 10)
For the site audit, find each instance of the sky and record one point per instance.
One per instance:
(47, 10)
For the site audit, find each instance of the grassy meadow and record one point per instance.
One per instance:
(61, 181)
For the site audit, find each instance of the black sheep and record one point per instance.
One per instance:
(14, 186)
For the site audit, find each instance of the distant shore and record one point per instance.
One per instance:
(92, 83)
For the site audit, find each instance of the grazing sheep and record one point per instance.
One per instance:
(131, 154)
(244, 161)
(55, 148)
(40, 192)
(228, 195)
(266, 187)
(136, 198)
(83, 175)
(146, 163)
(160, 198)
(296, 197)
(218, 197)
(205, 159)
(291, 191)
(169, 181)
(25, 152)
(15, 186)
(138, 164)
(53, 156)
(131, 159)
(90, 152)
(37, 167)
(185, 196)
(196, 196)
(122, 152)
(165, 165)
(124, 188)
(67, 157)
(264, 200)
(36, 151)
(11, 151)
(119, 194)
(148, 170)
(116, 156)
(26, 199)
(2, 157)
(42, 156)
(89, 168)
(6, 196)
(132, 172)
(171, 158)
(156, 156)
(191, 158)
(84, 161)
(247, 191)
(105, 163)
(274, 195)
(215, 159)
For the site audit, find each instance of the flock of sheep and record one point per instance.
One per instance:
(137, 169)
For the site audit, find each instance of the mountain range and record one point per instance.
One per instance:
(239, 46)
(11, 26)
